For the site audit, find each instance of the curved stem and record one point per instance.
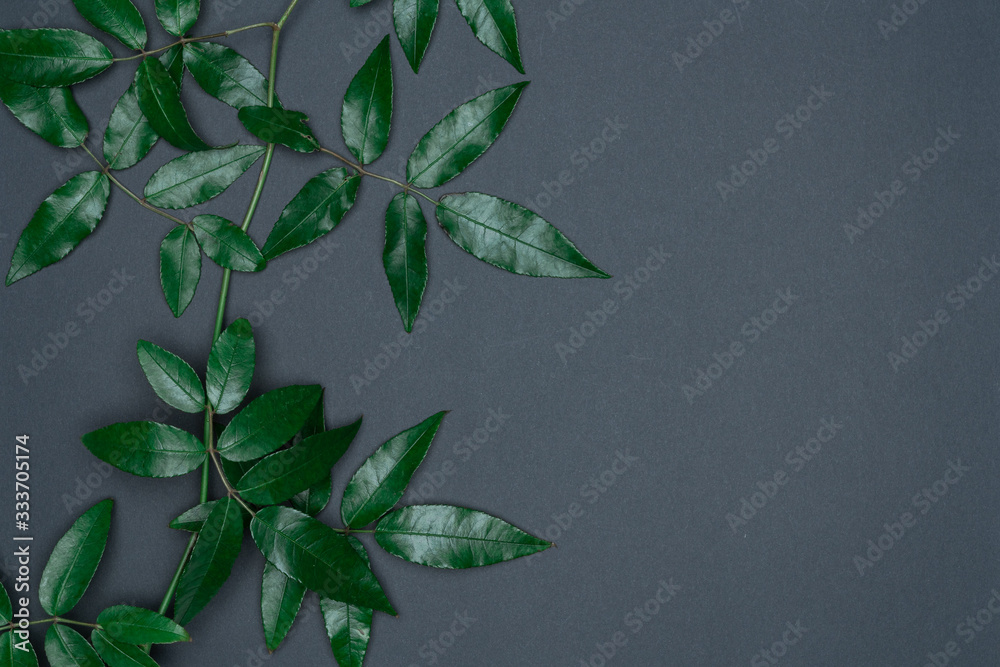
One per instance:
(106, 170)
(200, 38)
(406, 187)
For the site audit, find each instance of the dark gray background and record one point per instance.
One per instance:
(664, 519)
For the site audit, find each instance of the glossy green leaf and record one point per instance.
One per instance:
(160, 101)
(74, 560)
(382, 479)
(51, 58)
(171, 377)
(118, 18)
(235, 470)
(180, 268)
(348, 627)
(318, 557)
(51, 113)
(177, 16)
(268, 422)
(193, 519)
(318, 207)
(281, 475)
(119, 654)
(65, 647)
(461, 137)
(279, 126)
(359, 3)
(135, 625)
(414, 21)
(493, 22)
(211, 563)
(313, 500)
(366, 115)
(147, 449)
(405, 256)
(226, 244)
(6, 611)
(129, 136)
(173, 61)
(195, 178)
(230, 367)
(225, 74)
(63, 220)
(10, 656)
(280, 600)
(511, 237)
(453, 537)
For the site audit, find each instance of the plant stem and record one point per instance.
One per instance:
(224, 293)
(188, 40)
(106, 170)
(406, 187)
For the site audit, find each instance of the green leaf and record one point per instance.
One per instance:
(135, 625)
(381, 480)
(74, 560)
(173, 61)
(51, 58)
(268, 422)
(461, 137)
(64, 219)
(177, 16)
(230, 367)
(318, 207)
(160, 101)
(414, 20)
(119, 654)
(279, 126)
(405, 256)
(318, 557)
(281, 475)
(511, 237)
(226, 244)
(65, 647)
(225, 74)
(313, 500)
(118, 18)
(359, 3)
(6, 611)
(280, 600)
(171, 377)
(195, 178)
(236, 469)
(367, 112)
(211, 563)
(348, 627)
(494, 24)
(193, 519)
(15, 657)
(147, 449)
(129, 136)
(180, 268)
(51, 113)
(453, 537)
